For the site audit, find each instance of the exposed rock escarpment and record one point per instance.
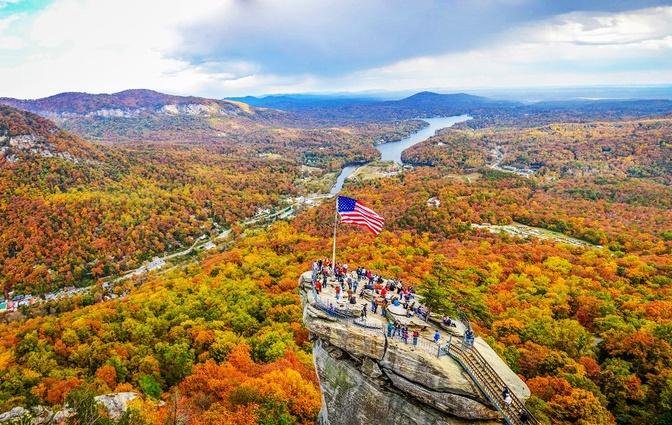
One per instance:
(367, 377)
(114, 403)
(12, 146)
(351, 397)
(25, 135)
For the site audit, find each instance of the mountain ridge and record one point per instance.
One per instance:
(127, 102)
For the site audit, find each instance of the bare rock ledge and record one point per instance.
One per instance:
(366, 377)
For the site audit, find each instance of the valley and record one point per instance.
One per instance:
(335, 212)
(169, 264)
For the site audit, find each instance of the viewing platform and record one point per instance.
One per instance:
(362, 360)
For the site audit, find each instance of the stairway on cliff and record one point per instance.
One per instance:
(490, 384)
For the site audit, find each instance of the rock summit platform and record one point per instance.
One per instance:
(360, 364)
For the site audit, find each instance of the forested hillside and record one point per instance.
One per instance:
(78, 212)
(625, 161)
(219, 338)
(141, 115)
(586, 327)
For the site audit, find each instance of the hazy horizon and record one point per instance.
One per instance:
(522, 94)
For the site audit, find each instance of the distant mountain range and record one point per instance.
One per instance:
(302, 101)
(423, 104)
(487, 111)
(134, 115)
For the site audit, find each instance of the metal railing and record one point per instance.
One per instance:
(337, 313)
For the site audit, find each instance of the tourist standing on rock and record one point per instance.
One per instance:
(364, 311)
(416, 334)
(469, 337)
(508, 400)
(437, 336)
(404, 334)
(338, 292)
(390, 327)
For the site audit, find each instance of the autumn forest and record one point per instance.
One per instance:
(216, 335)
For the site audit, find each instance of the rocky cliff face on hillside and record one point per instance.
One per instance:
(115, 405)
(146, 115)
(25, 134)
(367, 377)
(127, 104)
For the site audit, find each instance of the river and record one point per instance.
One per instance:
(391, 151)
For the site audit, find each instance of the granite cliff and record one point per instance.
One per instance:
(369, 377)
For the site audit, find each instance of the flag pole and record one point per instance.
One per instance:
(333, 254)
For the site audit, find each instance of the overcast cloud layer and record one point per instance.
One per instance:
(216, 49)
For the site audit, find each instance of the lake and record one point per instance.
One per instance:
(391, 151)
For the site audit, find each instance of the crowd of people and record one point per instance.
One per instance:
(352, 286)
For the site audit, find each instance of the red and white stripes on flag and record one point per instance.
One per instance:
(352, 211)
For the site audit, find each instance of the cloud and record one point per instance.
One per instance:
(87, 45)
(8, 41)
(607, 29)
(577, 48)
(232, 47)
(331, 37)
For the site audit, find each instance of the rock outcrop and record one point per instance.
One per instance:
(366, 376)
(350, 397)
(24, 135)
(114, 403)
(12, 146)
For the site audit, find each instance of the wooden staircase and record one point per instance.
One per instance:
(490, 383)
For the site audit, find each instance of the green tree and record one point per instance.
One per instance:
(150, 386)
(176, 361)
(437, 297)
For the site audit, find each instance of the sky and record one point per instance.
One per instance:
(253, 47)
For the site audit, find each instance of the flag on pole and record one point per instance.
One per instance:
(352, 211)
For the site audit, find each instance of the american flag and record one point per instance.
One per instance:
(353, 212)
